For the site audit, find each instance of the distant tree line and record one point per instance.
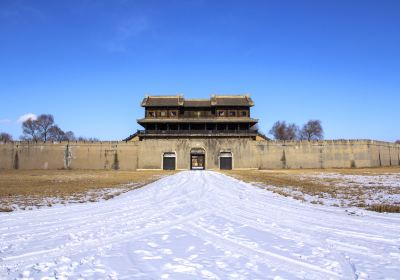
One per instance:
(43, 128)
(5, 137)
(312, 130)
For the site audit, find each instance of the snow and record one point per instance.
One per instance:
(199, 225)
(26, 202)
(345, 190)
(388, 179)
(355, 189)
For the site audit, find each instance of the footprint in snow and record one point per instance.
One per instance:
(43, 267)
(191, 248)
(152, 244)
(221, 264)
(192, 257)
(167, 251)
(143, 252)
(208, 275)
(165, 237)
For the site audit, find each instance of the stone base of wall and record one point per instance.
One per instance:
(246, 154)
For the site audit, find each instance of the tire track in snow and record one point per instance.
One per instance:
(193, 209)
(266, 257)
(90, 244)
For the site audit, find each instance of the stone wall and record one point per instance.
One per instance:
(64, 155)
(246, 154)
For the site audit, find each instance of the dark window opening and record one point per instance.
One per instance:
(232, 113)
(221, 113)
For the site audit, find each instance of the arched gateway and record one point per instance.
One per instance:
(197, 159)
(175, 118)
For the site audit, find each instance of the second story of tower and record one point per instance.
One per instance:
(217, 107)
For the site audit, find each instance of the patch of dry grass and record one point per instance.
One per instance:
(282, 180)
(27, 189)
(300, 184)
(345, 171)
(384, 208)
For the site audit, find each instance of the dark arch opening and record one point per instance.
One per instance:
(225, 160)
(169, 161)
(197, 159)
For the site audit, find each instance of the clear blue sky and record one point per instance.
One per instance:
(89, 63)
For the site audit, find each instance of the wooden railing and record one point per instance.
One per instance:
(198, 131)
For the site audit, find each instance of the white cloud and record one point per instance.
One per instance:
(27, 116)
(5, 121)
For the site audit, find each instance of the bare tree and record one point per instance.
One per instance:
(87, 139)
(44, 129)
(93, 139)
(282, 131)
(30, 130)
(312, 130)
(70, 136)
(5, 137)
(397, 142)
(278, 130)
(56, 134)
(292, 131)
(45, 123)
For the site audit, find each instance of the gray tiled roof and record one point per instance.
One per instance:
(197, 103)
(242, 100)
(157, 101)
(215, 100)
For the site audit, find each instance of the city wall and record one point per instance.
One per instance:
(246, 154)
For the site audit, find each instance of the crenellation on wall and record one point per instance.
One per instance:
(246, 154)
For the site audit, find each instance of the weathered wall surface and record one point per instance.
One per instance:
(243, 150)
(64, 155)
(246, 154)
(274, 154)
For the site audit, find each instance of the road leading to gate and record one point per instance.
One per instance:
(199, 224)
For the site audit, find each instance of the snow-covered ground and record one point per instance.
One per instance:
(93, 195)
(353, 190)
(196, 225)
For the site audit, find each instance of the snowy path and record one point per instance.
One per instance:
(196, 225)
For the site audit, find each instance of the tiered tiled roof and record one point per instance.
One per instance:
(215, 100)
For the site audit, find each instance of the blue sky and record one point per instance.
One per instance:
(89, 63)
